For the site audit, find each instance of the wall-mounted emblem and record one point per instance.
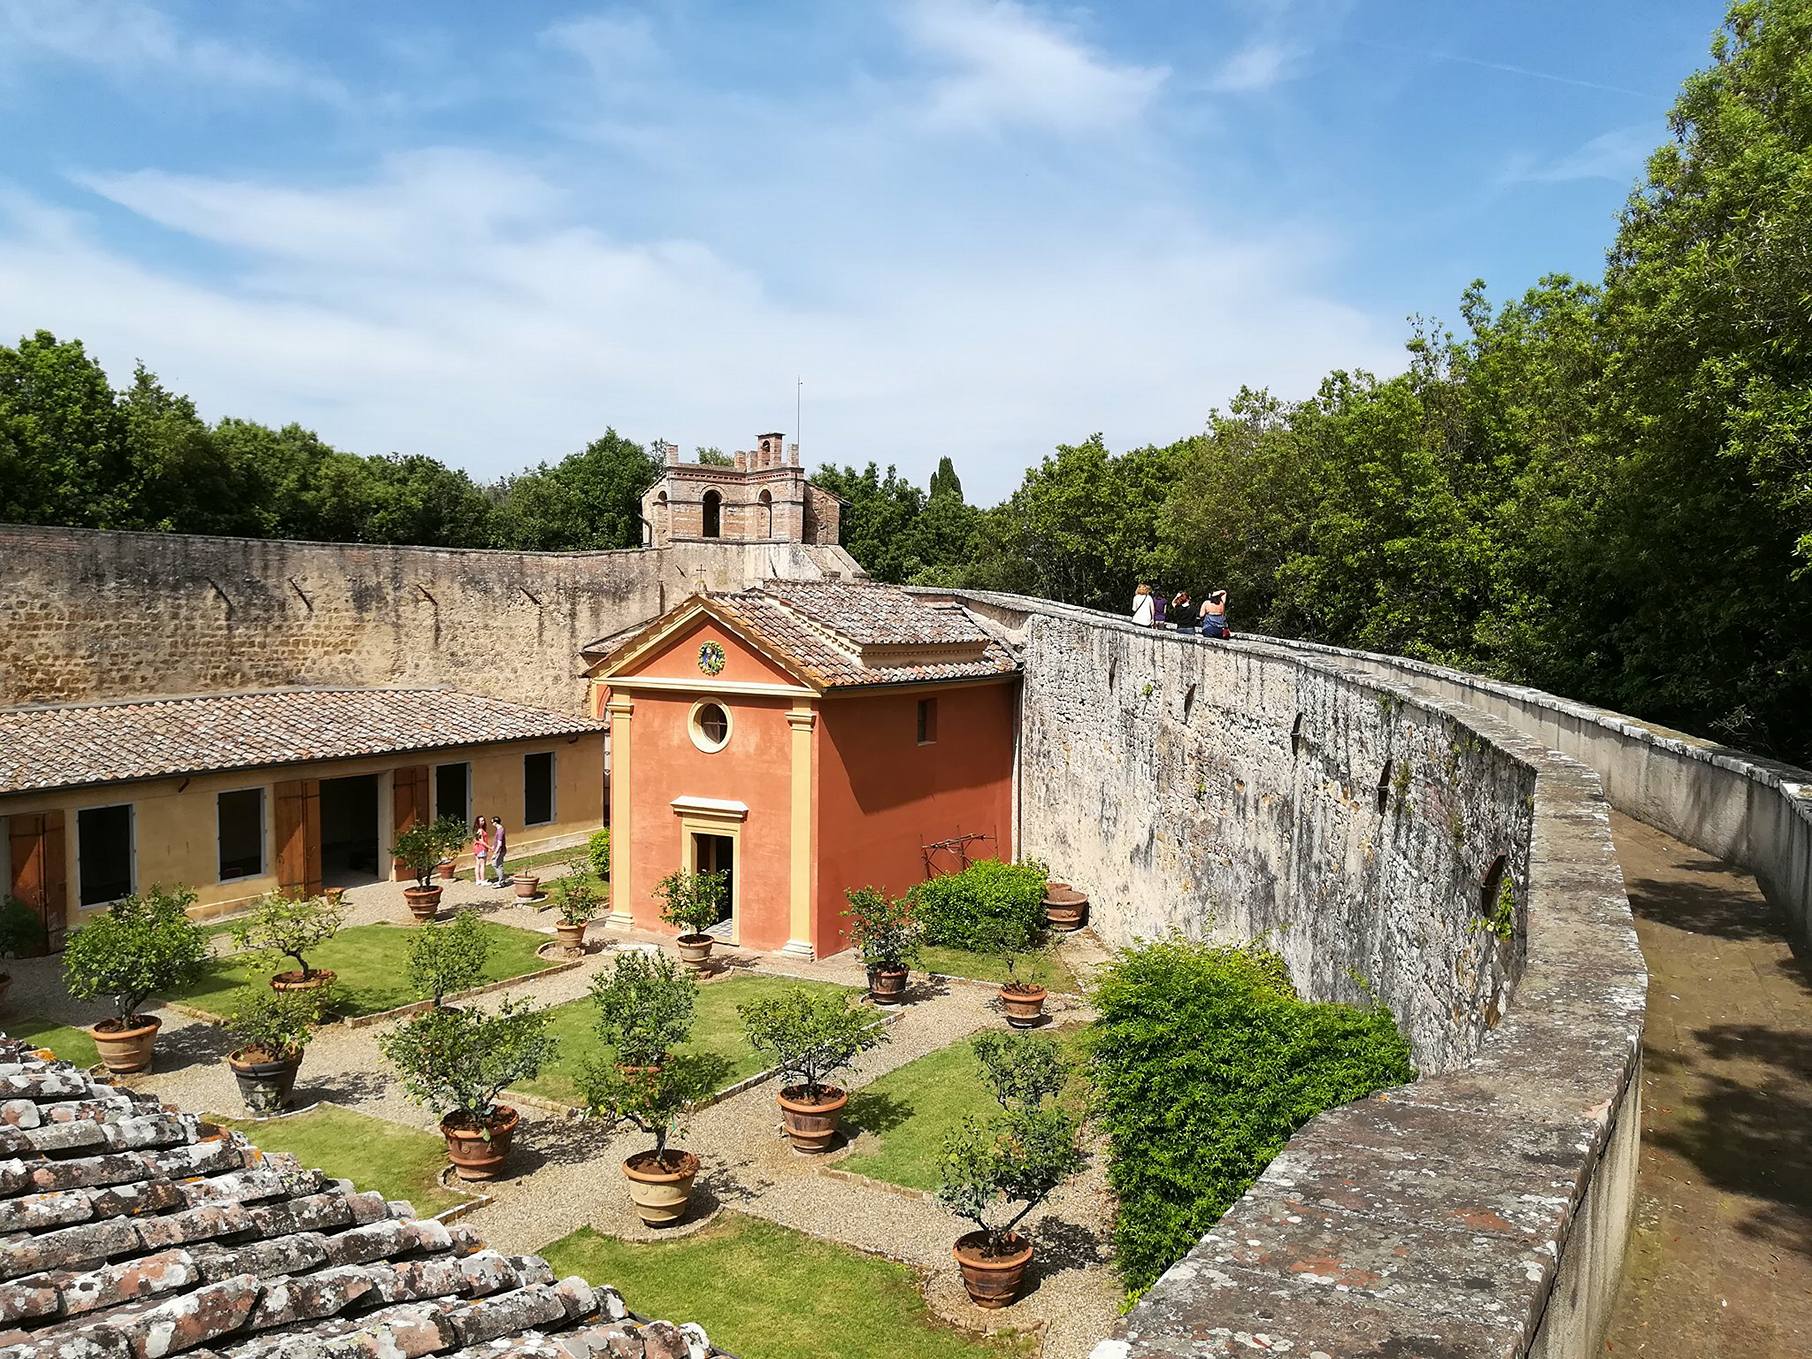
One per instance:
(711, 658)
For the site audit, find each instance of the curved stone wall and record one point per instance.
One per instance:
(1482, 1210)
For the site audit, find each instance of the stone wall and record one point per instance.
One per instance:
(93, 615)
(1482, 1210)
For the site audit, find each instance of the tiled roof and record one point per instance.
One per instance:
(129, 1231)
(848, 634)
(68, 746)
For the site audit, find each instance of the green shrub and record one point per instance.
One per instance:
(143, 946)
(22, 934)
(447, 959)
(283, 925)
(597, 849)
(645, 1006)
(276, 1023)
(881, 929)
(458, 1061)
(976, 908)
(810, 1035)
(423, 845)
(693, 901)
(1205, 1061)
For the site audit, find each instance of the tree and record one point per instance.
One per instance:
(445, 959)
(944, 481)
(183, 481)
(877, 518)
(590, 499)
(64, 457)
(712, 457)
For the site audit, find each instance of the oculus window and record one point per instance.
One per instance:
(709, 726)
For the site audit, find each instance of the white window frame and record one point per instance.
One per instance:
(264, 832)
(131, 853)
(697, 732)
(553, 787)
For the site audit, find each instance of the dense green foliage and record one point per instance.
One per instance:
(597, 849)
(990, 904)
(882, 929)
(277, 1023)
(423, 845)
(645, 1004)
(22, 934)
(458, 1060)
(143, 946)
(810, 1035)
(1205, 1061)
(448, 957)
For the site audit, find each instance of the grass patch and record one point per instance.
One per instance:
(372, 962)
(70, 1044)
(716, 1028)
(905, 1115)
(398, 1162)
(778, 1293)
(1047, 969)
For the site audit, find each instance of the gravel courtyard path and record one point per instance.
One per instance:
(567, 1172)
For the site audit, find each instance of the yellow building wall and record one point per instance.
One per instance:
(174, 820)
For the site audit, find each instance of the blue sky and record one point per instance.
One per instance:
(974, 227)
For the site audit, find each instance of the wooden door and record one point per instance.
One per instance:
(298, 824)
(40, 874)
(409, 801)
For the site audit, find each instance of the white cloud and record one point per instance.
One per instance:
(1617, 155)
(1004, 63)
(456, 304)
(618, 45)
(1256, 67)
(128, 39)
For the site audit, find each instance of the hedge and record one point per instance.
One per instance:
(1205, 1061)
(975, 908)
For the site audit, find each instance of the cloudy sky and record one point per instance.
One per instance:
(975, 227)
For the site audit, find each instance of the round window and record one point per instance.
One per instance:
(710, 726)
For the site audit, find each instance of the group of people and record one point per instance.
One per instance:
(1150, 610)
(489, 844)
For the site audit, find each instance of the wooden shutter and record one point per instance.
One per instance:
(298, 825)
(410, 803)
(40, 874)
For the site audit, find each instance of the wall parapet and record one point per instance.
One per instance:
(1482, 1210)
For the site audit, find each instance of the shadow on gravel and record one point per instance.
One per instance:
(1062, 1246)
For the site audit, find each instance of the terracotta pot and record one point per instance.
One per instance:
(424, 902)
(992, 1280)
(660, 1194)
(1024, 1008)
(295, 981)
(474, 1158)
(695, 949)
(335, 895)
(446, 869)
(127, 1048)
(887, 986)
(1065, 909)
(572, 937)
(811, 1126)
(527, 885)
(265, 1083)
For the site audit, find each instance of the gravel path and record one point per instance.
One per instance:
(566, 1173)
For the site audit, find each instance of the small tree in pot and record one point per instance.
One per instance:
(459, 1061)
(420, 849)
(577, 897)
(645, 1006)
(285, 925)
(693, 903)
(996, 1170)
(885, 935)
(810, 1036)
(272, 1027)
(142, 946)
(22, 935)
(447, 959)
(1022, 998)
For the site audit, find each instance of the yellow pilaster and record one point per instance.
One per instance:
(799, 928)
(622, 842)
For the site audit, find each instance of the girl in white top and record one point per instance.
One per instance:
(1141, 606)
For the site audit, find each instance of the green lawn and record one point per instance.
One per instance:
(1047, 969)
(715, 1028)
(906, 1114)
(72, 1045)
(372, 962)
(512, 864)
(762, 1291)
(398, 1162)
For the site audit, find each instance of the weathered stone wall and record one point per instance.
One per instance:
(1484, 1209)
(90, 615)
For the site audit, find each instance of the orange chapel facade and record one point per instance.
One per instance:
(808, 737)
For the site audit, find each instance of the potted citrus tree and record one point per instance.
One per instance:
(1022, 998)
(445, 959)
(645, 1006)
(458, 1061)
(693, 902)
(810, 1035)
(996, 1170)
(22, 935)
(273, 1027)
(142, 946)
(285, 925)
(420, 849)
(577, 897)
(885, 936)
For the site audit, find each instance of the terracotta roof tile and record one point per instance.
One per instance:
(68, 746)
(130, 1231)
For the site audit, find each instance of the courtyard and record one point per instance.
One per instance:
(845, 1252)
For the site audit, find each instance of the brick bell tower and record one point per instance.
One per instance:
(763, 498)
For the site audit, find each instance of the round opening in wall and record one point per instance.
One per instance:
(710, 726)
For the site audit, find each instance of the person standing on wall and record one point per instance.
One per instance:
(1157, 609)
(1214, 615)
(1142, 606)
(499, 843)
(481, 849)
(1182, 612)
